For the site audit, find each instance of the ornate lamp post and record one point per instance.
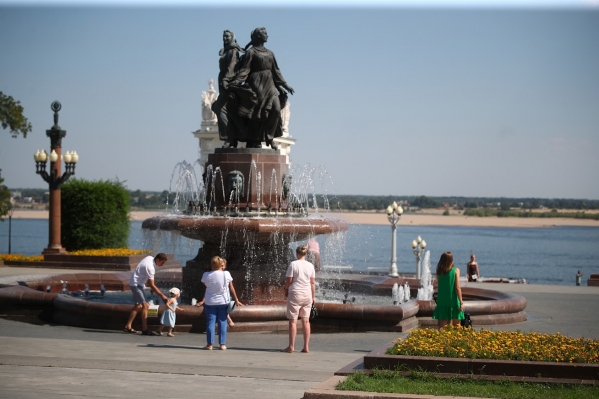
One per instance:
(394, 212)
(55, 179)
(418, 246)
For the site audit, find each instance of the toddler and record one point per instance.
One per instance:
(169, 316)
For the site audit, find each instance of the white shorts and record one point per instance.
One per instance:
(298, 304)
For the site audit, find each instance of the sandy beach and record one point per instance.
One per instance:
(380, 218)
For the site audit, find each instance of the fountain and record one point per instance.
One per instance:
(247, 220)
(248, 207)
(425, 293)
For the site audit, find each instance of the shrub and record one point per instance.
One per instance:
(94, 215)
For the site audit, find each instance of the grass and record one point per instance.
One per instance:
(421, 383)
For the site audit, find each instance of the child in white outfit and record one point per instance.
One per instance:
(169, 316)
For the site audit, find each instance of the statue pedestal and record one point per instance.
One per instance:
(261, 170)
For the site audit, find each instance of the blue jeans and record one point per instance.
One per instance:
(214, 313)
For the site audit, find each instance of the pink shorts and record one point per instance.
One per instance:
(298, 304)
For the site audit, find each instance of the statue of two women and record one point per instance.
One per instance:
(252, 92)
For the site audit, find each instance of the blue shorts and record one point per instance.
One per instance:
(139, 295)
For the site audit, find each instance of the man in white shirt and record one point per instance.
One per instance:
(144, 273)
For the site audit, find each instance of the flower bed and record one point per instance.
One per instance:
(457, 342)
(122, 252)
(117, 259)
(110, 252)
(21, 258)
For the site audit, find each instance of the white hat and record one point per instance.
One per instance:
(175, 291)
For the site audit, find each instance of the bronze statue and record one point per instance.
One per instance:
(258, 90)
(229, 57)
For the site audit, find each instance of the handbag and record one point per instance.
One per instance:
(231, 304)
(466, 322)
(313, 311)
(153, 311)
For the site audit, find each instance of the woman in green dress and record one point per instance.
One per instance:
(450, 307)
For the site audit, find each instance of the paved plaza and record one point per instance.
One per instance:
(48, 361)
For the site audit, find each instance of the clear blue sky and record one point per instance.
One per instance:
(393, 99)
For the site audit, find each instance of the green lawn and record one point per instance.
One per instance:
(428, 384)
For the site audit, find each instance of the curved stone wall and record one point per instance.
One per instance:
(485, 306)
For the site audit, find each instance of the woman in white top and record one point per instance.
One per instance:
(218, 284)
(299, 288)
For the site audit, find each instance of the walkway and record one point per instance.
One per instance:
(56, 361)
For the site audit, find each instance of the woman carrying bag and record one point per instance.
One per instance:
(450, 306)
(216, 301)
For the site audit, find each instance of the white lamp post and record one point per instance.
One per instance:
(394, 212)
(418, 246)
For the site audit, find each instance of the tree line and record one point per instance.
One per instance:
(364, 202)
(151, 200)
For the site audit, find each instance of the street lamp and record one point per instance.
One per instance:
(55, 179)
(418, 246)
(394, 212)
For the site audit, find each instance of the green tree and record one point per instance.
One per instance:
(11, 116)
(425, 202)
(4, 198)
(95, 215)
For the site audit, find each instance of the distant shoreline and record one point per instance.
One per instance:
(380, 218)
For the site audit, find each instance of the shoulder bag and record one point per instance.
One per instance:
(231, 304)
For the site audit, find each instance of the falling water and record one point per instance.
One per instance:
(187, 187)
(273, 185)
(196, 193)
(395, 294)
(426, 281)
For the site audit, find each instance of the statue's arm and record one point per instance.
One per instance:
(243, 71)
(278, 76)
(231, 60)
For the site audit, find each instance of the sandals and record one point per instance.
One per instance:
(148, 332)
(130, 330)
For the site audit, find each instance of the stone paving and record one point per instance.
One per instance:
(49, 361)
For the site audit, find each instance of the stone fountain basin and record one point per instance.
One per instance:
(210, 228)
(486, 307)
(67, 310)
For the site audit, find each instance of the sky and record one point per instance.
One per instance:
(436, 98)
